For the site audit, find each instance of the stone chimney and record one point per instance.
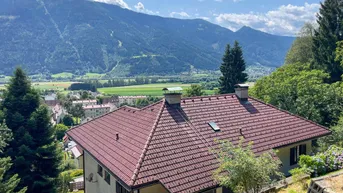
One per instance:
(173, 96)
(241, 91)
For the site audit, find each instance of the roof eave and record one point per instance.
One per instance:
(312, 138)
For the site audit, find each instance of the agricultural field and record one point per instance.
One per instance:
(145, 89)
(60, 86)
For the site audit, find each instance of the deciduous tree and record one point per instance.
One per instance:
(242, 171)
(194, 90)
(301, 50)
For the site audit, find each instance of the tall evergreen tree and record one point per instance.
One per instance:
(329, 32)
(33, 149)
(7, 185)
(232, 69)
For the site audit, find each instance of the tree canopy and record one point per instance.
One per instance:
(194, 90)
(242, 171)
(301, 50)
(232, 69)
(302, 91)
(329, 32)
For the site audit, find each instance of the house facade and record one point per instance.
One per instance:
(164, 147)
(85, 102)
(93, 111)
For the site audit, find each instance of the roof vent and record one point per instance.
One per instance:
(117, 136)
(241, 91)
(173, 96)
(214, 126)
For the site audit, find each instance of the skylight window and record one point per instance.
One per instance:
(214, 126)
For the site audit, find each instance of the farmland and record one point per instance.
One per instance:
(145, 89)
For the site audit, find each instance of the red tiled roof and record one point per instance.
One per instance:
(170, 145)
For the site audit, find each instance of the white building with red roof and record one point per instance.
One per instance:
(164, 147)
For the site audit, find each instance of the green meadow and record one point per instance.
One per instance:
(145, 89)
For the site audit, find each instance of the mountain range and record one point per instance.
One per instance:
(79, 36)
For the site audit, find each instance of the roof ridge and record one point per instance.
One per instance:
(198, 97)
(153, 104)
(294, 115)
(141, 158)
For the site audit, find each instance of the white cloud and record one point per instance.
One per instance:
(218, 0)
(139, 6)
(179, 14)
(120, 3)
(237, 1)
(286, 20)
(205, 18)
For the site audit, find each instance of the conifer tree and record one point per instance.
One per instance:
(329, 32)
(232, 69)
(7, 185)
(33, 149)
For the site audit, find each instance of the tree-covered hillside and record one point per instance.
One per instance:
(52, 36)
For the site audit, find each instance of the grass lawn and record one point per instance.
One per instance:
(92, 76)
(145, 89)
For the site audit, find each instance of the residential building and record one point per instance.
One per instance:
(51, 100)
(129, 100)
(77, 155)
(58, 113)
(164, 147)
(85, 102)
(93, 111)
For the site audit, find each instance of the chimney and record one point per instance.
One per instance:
(241, 91)
(173, 96)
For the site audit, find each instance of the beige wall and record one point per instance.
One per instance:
(284, 155)
(156, 188)
(99, 185)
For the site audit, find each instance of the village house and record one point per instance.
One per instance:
(164, 147)
(58, 113)
(51, 100)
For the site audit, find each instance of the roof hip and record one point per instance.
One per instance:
(145, 149)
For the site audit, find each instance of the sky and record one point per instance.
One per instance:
(280, 17)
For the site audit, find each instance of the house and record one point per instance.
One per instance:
(164, 147)
(51, 100)
(85, 102)
(112, 99)
(93, 111)
(77, 155)
(58, 113)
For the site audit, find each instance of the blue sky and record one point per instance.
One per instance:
(281, 17)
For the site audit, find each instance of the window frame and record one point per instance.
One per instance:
(101, 173)
(107, 177)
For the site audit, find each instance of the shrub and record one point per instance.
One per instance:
(76, 173)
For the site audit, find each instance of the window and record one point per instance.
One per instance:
(214, 126)
(296, 152)
(120, 188)
(108, 177)
(100, 170)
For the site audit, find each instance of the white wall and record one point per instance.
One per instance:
(284, 155)
(101, 186)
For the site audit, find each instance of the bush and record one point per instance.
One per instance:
(76, 173)
(321, 163)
